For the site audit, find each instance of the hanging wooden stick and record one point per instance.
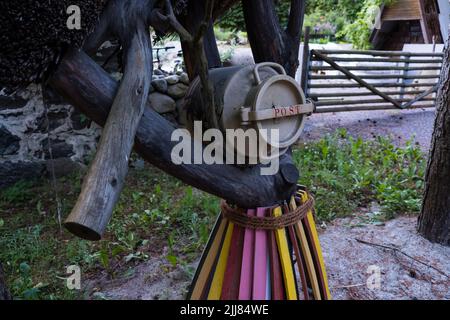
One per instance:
(106, 176)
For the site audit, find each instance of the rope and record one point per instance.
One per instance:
(52, 165)
(240, 218)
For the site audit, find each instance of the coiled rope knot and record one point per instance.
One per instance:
(241, 218)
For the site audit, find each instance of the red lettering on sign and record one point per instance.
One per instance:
(285, 111)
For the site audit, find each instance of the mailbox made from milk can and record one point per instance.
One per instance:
(260, 96)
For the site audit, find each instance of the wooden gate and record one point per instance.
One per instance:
(350, 80)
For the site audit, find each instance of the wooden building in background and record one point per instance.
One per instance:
(411, 21)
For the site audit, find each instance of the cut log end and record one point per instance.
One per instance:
(82, 231)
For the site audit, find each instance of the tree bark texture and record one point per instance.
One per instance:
(191, 21)
(104, 181)
(89, 88)
(269, 41)
(434, 219)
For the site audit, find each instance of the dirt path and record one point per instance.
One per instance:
(401, 277)
(347, 259)
(401, 125)
(347, 263)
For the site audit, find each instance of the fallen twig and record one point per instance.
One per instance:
(349, 286)
(403, 253)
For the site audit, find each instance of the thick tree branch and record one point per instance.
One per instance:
(89, 88)
(192, 23)
(267, 38)
(209, 6)
(175, 24)
(106, 176)
(296, 16)
(195, 43)
(101, 33)
(264, 31)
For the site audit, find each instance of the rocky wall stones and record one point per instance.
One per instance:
(31, 134)
(27, 126)
(169, 90)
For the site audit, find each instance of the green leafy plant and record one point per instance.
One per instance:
(155, 210)
(19, 192)
(345, 173)
(359, 30)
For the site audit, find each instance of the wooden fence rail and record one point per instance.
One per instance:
(351, 80)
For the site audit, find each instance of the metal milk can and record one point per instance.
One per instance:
(261, 96)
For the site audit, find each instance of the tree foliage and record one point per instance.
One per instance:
(349, 20)
(234, 18)
(358, 32)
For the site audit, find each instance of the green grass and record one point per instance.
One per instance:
(156, 211)
(345, 173)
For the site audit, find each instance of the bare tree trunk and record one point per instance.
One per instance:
(267, 38)
(434, 219)
(191, 21)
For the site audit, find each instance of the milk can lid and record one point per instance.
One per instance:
(282, 95)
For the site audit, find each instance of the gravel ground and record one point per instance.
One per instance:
(424, 275)
(347, 259)
(401, 125)
(420, 277)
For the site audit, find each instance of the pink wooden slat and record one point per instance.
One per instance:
(246, 283)
(260, 261)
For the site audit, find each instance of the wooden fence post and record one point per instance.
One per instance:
(305, 61)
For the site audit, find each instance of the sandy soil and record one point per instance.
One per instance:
(423, 275)
(154, 279)
(401, 125)
(347, 259)
(420, 276)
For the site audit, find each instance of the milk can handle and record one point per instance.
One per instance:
(267, 64)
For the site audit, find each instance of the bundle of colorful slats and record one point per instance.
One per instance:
(242, 263)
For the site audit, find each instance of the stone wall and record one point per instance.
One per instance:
(167, 93)
(25, 131)
(26, 136)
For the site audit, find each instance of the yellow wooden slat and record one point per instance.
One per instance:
(216, 285)
(286, 265)
(306, 255)
(208, 264)
(315, 235)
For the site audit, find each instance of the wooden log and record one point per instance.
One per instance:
(89, 88)
(104, 181)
